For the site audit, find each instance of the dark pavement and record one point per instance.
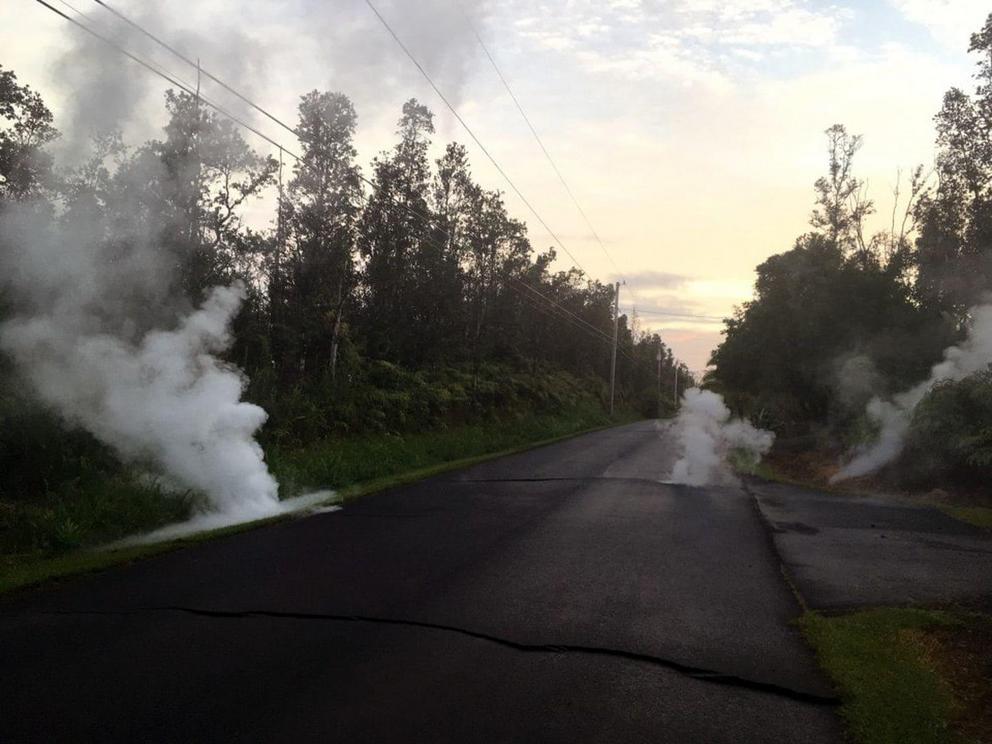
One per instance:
(847, 552)
(563, 594)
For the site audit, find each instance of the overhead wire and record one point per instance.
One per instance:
(564, 309)
(173, 79)
(261, 109)
(185, 58)
(475, 138)
(293, 130)
(165, 75)
(537, 137)
(666, 314)
(540, 142)
(471, 133)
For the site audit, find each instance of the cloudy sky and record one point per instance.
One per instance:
(690, 131)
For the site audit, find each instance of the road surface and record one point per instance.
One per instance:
(564, 594)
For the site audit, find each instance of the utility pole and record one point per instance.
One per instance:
(616, 334)
(676, 398)
(658, 359)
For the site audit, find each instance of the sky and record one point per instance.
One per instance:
(689, 131)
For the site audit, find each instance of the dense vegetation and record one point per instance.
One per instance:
(382, 311)
(842, 316)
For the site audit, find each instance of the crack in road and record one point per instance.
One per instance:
(560, 479)
(699, 673)
(769, 530)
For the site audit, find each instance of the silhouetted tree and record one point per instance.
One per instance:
(954, 249)
(320, 216)
(26, 126)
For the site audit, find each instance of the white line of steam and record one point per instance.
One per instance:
(895, 416)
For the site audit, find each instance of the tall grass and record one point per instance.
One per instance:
(96, 507)
(343, 461)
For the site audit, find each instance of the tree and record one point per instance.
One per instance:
(315, 275)
(196, 182)
(833, 298)
(841, 204)
(954, 248)
(26, 126)
(396, 223)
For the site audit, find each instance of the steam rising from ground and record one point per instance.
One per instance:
(96, 334)
(95, 326)
(166, 401)
(708, 435)
(894, 416)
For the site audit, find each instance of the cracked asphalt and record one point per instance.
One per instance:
(561, 594)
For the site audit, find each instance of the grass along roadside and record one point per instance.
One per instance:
(341, 462)
(906, 676)
(352, 469)
(980, 516)
(911, 676)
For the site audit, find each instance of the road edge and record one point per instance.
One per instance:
(50, 571)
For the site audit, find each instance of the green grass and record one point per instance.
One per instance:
(891, 693)
(26, 573)
(352, 468)
(980, 516)
(89, 510)
(341, 462)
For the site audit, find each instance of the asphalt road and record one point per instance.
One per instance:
(563, 594)
(860, 552)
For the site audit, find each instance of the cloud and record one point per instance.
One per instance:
(653, 279)
(791, 27)
(690, 42)
(950, 22)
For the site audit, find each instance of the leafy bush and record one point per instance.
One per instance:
(379, 397)
(950, 437)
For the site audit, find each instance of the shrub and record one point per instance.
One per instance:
(950, 438)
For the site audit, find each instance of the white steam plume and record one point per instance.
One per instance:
(707, 435)
(94, 325)
(894, 416)
(340, 45)
(95, 332)
(166, 401)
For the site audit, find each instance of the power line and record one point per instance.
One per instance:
(538, 139)
(564, 309)
(184, 58)
(166, 76)
(471, 134)
(279, 121)
(424, 218)
(262, 110)
(576, 319)
(563, 312)
(676, 315)
(551, 310)
(544, 149)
